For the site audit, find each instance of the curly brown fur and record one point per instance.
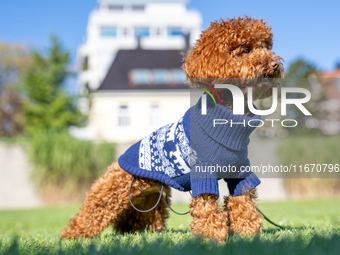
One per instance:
(209, 220)
(132, 220)
(221, 55)
(243, 216)
(220, 50)
(108, 203)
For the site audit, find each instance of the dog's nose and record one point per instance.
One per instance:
(274, 65)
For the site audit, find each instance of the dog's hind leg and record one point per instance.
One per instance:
(106, 201)
(244, 218)
(209, 221)
(131, 220)
(156, 219)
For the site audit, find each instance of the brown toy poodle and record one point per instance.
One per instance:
(228, 49)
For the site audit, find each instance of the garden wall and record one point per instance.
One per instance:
(16, 191)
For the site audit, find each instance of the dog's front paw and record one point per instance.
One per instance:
(213, 227)
(244, 218)
(209, 221)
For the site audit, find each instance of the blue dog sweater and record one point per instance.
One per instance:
(192, 154)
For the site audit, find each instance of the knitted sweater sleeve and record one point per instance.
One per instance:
(242, 182)
(203, 180)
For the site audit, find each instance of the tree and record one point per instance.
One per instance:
(11, 119)
(47, 107)
(298, 75)
(13, 60)
(302, 73)
(300, 68)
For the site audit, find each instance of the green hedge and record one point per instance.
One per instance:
(310, 150)
(61, 160)
(300, 150)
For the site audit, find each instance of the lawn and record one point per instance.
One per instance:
(314, 228)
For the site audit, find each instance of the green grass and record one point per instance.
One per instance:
(314, 228)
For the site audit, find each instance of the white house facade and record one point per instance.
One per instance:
(124, 117)
(120, 24)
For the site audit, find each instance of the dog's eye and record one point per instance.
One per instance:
(246, 51)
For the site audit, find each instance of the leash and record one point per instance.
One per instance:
(267, 219)
(144, 211)
(167, 201)
(166, 198)
(159, 199)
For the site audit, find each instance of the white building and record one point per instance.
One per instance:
(117, 24)
(131, 61)
(142, 91)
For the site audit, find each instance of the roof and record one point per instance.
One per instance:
(330, 81)
(332, 74)
(119, 75)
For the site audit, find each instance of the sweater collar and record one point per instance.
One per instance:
(234, 136)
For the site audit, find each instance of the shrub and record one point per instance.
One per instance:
(310, 150)
(65, 167)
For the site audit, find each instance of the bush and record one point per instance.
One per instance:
(65, 167)
(310, 150)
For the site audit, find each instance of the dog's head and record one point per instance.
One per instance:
(236, 48)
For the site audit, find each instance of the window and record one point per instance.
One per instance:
(157, 76)
(141, 76)
(142, 32)
(160, 76)
(175, 31)
(124, 118)
(155, 116)
(116, 7)
(139, 8)
(178, 76)
(108, 31)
